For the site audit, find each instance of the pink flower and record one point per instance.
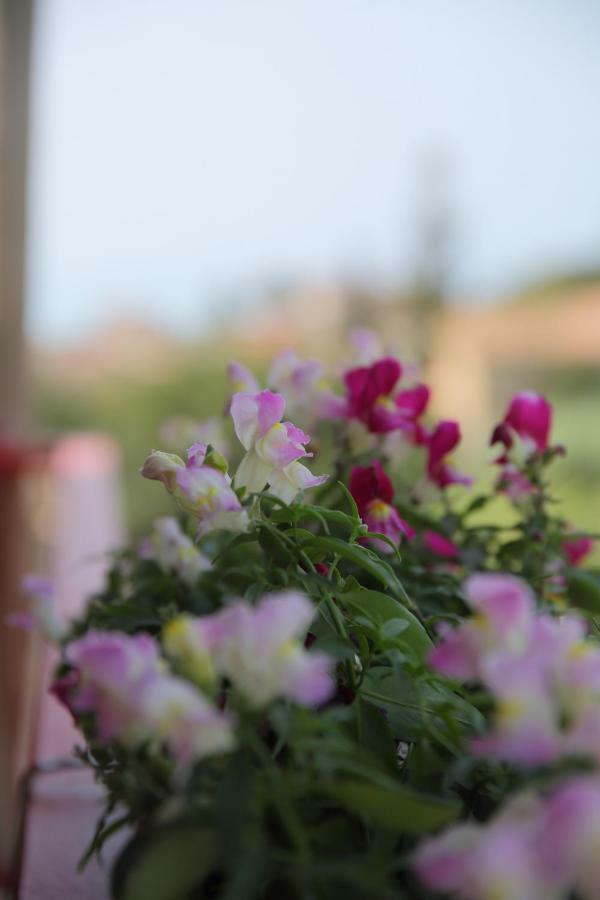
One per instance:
(443, 439)
(500, 860)
(173, 550)
(180, 431)
(241, 379)
(514, 484)
(528, 417)
(571, 836)
(577, 548)
(41, 612)
(440, 545)
(121, 680)
(369, 394)
(176, 713)
(366, 345)
(303, 385)
(113, 671)
(526, 726)
(273, 447)
(199, 488)
(504, 623)
(373, 491)
(261, 650)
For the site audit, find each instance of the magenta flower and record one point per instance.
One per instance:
(199, 488)
(373, 492)
(371, 400)
(442, 441)
(273, 447)
(577, 548)
(528, 418)
(440, 545)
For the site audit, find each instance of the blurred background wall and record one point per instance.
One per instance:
(210, 180)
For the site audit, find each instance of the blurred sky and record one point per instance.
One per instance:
(185, 151)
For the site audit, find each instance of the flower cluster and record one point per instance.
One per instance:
(534, 848)
(123, 683)
(543, 672)
(134, 698)
(328, 716)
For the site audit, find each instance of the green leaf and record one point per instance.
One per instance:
(584, 589)
(381, 610)
(361, 557)
(166, 864)
(394, 807)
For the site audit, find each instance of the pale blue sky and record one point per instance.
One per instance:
(184, 150)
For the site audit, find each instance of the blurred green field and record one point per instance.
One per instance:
(133, 411)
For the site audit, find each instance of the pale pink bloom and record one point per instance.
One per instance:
(571, 836)
(41, 612)
(113, 671)
(302, 383)
(122, 681)
(500, 860)
(177, 714)
(366, 345)
(199, 488)
(241, 379)
(173, 550)
(526, 726)
(273, 447)
(504, 620)
(182, 431)
(261, 650)
(514, 484)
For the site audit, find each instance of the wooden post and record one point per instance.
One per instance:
(15, 42)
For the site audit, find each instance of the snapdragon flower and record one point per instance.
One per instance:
(273, 447)
(182, 431)
(260, 650)
(576, 549)
(373, 492)
(41, 612)
(199, 487)
(504, 619)
(241, 378)
(527, 421)
(123, 682)
(374, 400)
(537, 847)
(305, 389)
(440, 443)
(173, 550)
(501, 860)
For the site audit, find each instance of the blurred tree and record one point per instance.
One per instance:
(434, 235)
